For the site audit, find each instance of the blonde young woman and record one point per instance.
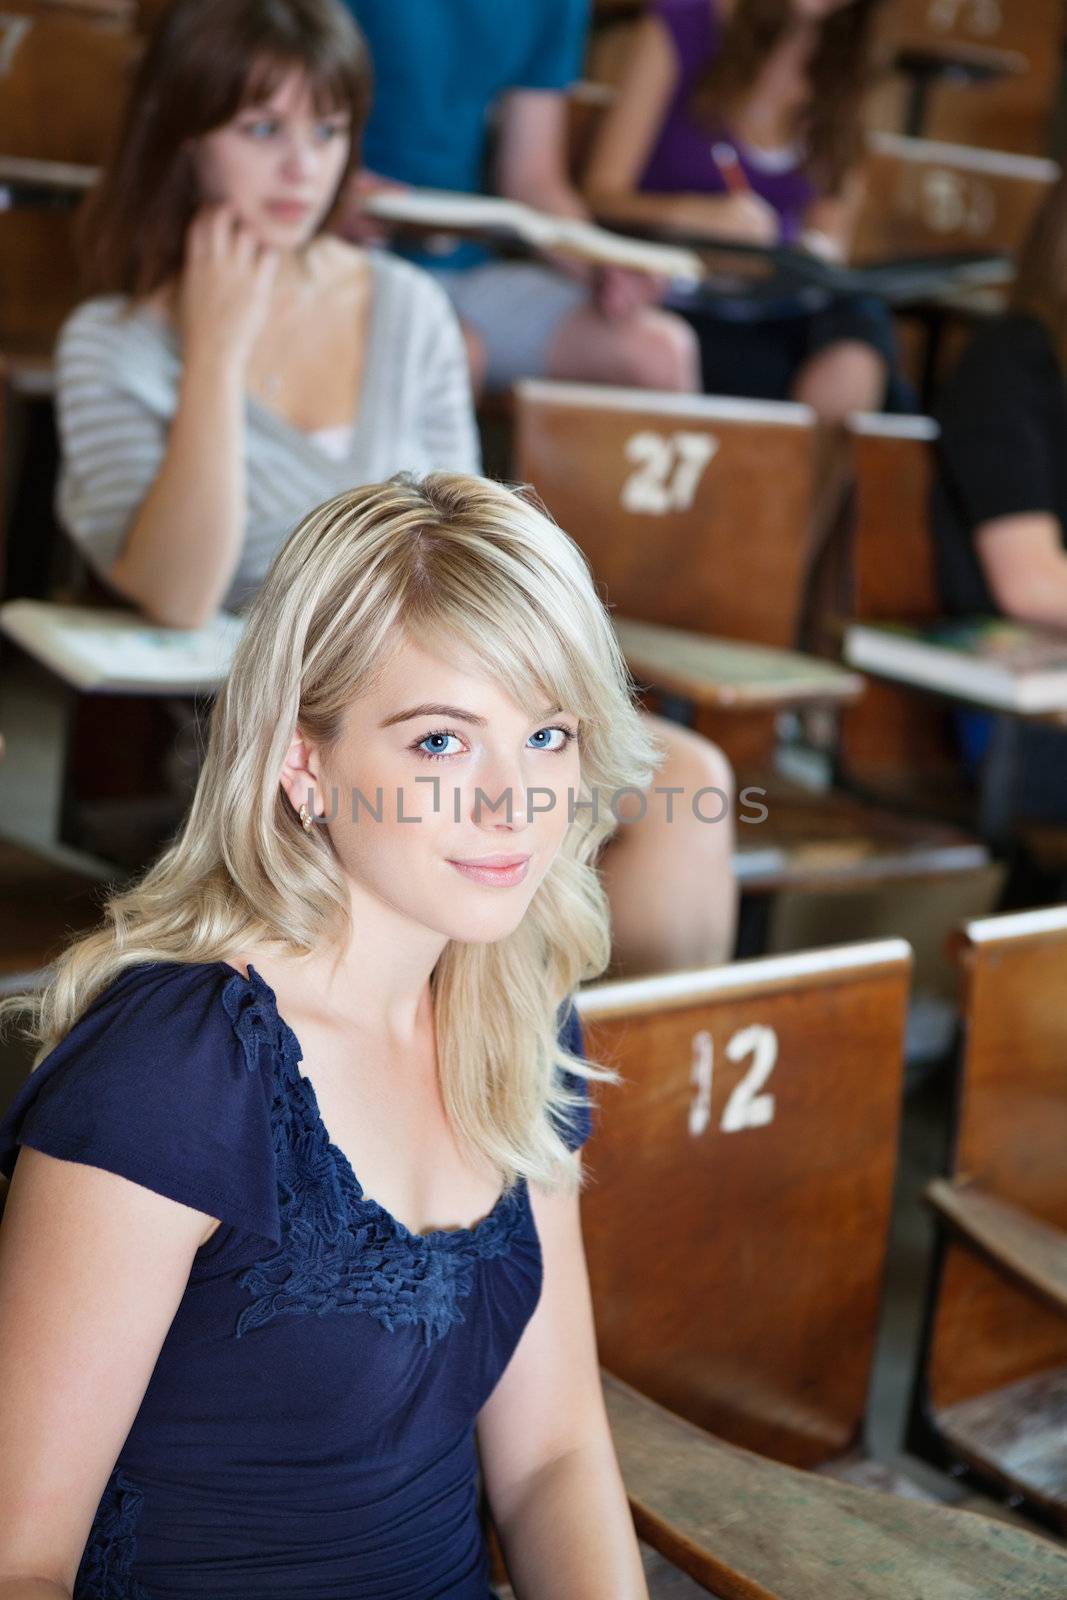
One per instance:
(294, 1221)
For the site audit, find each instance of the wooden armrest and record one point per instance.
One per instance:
(727, 675)
(62, 176)
(750, 1529)
(980, 63)
(1031, 1252)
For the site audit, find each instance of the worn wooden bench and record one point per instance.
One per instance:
(992, 1393)
(695, 514)
(926, 197)
(64, 72)
(1006, 109)
(894, 744)
(737, 1212)
(746, 1528)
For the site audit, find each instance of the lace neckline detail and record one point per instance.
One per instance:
(252, 998)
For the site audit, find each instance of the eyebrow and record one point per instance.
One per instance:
(455, 712)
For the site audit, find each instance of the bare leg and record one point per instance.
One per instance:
(845, 377)
(477, 359)
(671, 883)
(651, 349)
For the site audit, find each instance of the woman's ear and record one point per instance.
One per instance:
(299, 776)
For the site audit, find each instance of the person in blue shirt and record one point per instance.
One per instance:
(448, 74)
(292, 1239)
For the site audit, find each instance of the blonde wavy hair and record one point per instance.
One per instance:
(451, 561)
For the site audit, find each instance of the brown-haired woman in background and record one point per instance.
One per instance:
(742, 118)
(239, 364)
(245, 365)
(999, 505)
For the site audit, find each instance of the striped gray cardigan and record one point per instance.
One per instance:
(117, 390)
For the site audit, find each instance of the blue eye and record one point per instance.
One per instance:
(566, 737)
(438, 739)
(327, 131)
(261, 128)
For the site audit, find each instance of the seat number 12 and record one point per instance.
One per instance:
(749, 1106)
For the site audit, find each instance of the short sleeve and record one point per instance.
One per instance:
(557, 47)
(155, 1083)
(996, 456)
(579, 1124)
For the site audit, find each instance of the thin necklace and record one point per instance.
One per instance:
(305, 285)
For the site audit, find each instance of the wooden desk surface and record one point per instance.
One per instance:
(725, 675)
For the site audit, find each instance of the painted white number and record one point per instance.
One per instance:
(669, 470)
(700, 1078)
(982, 17)
(13, 29)
(951, 204)
(748, 1106)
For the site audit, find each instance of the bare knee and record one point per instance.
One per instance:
(845, 377)
(658, 350)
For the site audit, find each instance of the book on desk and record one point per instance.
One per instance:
(104, 651)
(987, 661)
(711, 267)
(446, 211)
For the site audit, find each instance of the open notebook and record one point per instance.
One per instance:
(984, 660)
(116, 652)
(446, 211)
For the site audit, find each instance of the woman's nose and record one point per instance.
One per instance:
(300, 158)
(500, 798)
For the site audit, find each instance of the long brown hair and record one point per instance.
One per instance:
(205, 60)
(841, 71)
(1040, 287)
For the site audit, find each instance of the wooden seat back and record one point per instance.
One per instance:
(41, 281)
(693, 512)
(1011, 1138)
(1011, 114)
(892, 741)
(64, 77)
(741, 1178)
(924, 197)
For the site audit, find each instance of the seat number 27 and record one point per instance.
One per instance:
(669, 470)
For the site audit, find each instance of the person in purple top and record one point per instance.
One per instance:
(741, 118)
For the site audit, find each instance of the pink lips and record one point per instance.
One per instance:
(500, 871)
(289, 210)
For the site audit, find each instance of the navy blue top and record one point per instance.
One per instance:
(309, 1425)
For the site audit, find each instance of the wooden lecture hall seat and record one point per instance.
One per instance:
(696, 513)
(741, 1176)
(1007, 106)
(992, 1393)
(926, 197)
(64, 71)
(894, 744)
(747, 1528)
